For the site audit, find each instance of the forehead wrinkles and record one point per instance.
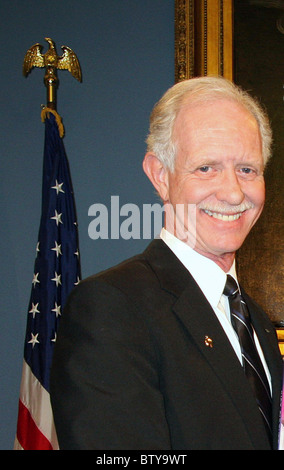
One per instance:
(215, 123)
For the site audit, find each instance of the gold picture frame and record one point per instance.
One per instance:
(203, 38)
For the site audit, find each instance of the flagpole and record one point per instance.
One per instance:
(51, 83)
(57, 265)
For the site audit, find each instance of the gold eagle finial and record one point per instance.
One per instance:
(51, 61)
(68, 60)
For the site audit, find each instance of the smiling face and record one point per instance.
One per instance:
(218, 169)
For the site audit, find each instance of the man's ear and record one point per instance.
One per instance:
(157, 174)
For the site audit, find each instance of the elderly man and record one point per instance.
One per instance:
(166, 351)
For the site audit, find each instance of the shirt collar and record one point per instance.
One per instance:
(208, 275)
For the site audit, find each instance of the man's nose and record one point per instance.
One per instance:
(230, 189)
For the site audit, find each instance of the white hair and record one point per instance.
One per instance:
(193, 91)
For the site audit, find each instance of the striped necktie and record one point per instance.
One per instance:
(251, 361)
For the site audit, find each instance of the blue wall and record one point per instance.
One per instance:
(126, 51)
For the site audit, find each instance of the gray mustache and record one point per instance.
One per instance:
(226, 209)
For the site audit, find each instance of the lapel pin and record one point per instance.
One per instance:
(208, 342)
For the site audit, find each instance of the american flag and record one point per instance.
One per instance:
(56, 272)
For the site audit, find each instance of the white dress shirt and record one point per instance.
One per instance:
(211, 279)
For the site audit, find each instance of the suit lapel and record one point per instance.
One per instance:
(269, 344)
(200, 321)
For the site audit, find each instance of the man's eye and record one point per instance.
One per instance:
(247, 171)
(204, 169)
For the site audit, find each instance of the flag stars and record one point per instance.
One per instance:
(57, 249)
(34, 340)
(34, 309)
(53, 340)
(57, 218)
(35, 280)
(57, 310)
(57, 279)
(58, 187)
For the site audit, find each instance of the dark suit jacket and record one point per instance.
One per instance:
(132, 370)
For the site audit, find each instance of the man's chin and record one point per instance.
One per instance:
(220, 246)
